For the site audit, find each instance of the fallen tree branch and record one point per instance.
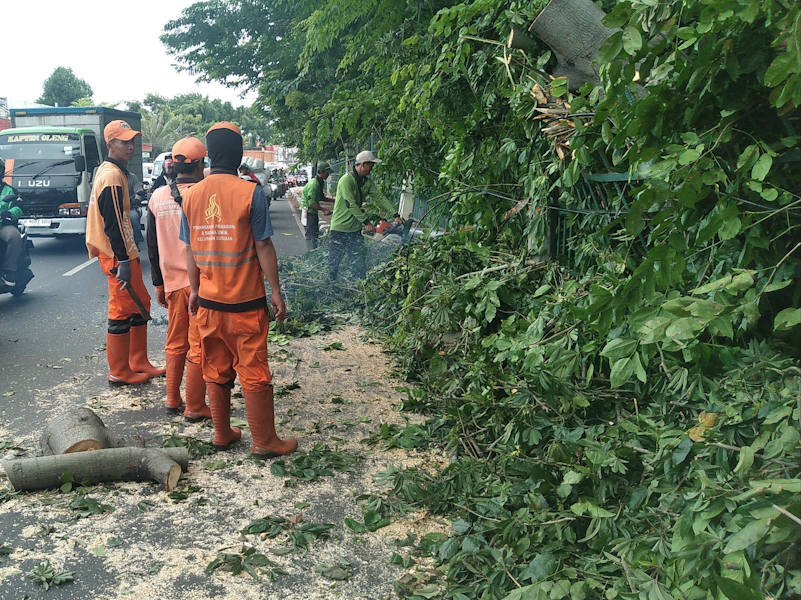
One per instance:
(78, 430)
(163, 465)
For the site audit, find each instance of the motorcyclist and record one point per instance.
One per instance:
(167, 175)
(10, 212)
(137, 195)
(246, 173)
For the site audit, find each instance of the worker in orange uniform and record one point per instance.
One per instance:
(227, 228)
(168, 269)
(109, 237)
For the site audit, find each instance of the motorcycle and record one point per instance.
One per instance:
(24, 273)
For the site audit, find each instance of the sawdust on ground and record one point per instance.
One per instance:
(153, 546)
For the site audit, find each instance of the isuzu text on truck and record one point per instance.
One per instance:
(51, 155)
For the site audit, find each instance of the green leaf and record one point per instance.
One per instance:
(748, 535)
(684, 329)
(740, 282)
(714, 285)
(779, 69)
(543, 289)
(748, 157)
(730, 227)
(611, 48)
(746, 460)
(734, 590)
(619, 348)
(639, 370)
(542, 567)
(621, 372)
(373, 520)
(561, 589)
(449, 549)
(689, 156)
(632, 40)
(761, 167)
(355, 526)
(591, 509)
(682, 450)
(787, 319)
(559, 86)
(529, 592)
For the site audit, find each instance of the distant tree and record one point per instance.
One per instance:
(63, 88)
(164, 120)
(159, 128)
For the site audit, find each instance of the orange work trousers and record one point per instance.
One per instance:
(235, 344)
(120, 304)
(182, 334)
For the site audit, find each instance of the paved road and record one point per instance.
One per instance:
(56, 330)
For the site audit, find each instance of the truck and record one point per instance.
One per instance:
(51, 156)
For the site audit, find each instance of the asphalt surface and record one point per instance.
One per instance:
(58, 325)
(55, 334)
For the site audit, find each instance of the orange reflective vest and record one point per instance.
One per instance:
(172, 251)
(217, 211)
(109, 175)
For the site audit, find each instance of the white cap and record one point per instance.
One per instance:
(366, 156)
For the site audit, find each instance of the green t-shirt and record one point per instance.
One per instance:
(312, 193)
(348, 214)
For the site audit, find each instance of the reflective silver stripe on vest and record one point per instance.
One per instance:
(209, 263)
(220, 253)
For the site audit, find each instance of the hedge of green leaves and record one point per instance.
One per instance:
(625, 422)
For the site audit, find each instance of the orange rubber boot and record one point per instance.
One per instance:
(175, 373)
(139, 361)
(261, 420)
(225, 436)
(196, 408)
(118, 347)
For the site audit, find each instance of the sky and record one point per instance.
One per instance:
(114, 47)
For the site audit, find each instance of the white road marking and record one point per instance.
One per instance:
(79, 267)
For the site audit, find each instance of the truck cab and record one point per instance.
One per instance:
(52, 169)
(51, 157)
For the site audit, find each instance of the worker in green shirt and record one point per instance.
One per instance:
(313, 194)
(349, 218)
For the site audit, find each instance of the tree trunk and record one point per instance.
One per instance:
(78, 430)
(163, 465)
(574, 30)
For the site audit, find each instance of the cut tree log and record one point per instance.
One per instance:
(520, 40)
(77, 430)
(163, 465)
(574, 30)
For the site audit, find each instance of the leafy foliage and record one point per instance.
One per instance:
(165, 120)
(63, 88)
(318, 462)
(270, 526)
(45, 575)
(624, 421)
(83, 507)
(197, 448)
(247, 560)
